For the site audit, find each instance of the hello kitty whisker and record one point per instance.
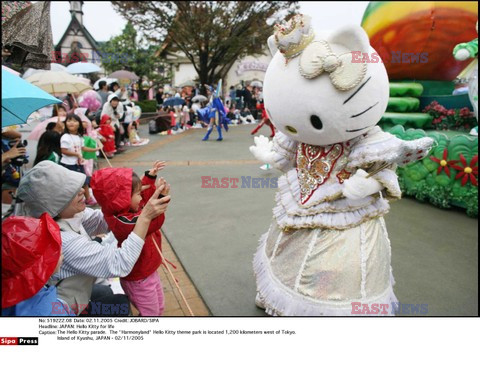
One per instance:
(357, 130)
(351, 96)
(366, 110)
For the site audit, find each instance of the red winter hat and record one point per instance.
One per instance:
(112, 188)
(104, 119)
(31, 249)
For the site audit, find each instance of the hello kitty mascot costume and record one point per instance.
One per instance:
(327, 247)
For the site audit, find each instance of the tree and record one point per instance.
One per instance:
(212, 34)
(124, 52)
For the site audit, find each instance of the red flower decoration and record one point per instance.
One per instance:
(443, 163)
(467, 172)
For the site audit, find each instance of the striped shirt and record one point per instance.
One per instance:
(81, 255)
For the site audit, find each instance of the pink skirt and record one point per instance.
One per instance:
(146, 294)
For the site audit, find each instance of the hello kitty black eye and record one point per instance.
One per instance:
(316, 122)
(355, 93)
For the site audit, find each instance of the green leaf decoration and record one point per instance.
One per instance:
(422, 180)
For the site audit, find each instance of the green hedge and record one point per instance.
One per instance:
(407, 120)
(424, 181)
(147, 106)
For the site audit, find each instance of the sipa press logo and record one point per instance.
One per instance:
(19, 341)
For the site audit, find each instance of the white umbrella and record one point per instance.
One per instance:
(58, 82)
(187, 83)
(199, 98)
(84, 80)
(124, 74)
(36, 77)
(107, 79)
(82, 68)
(53, 67)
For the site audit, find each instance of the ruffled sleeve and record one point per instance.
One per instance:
(389, 179)
(378, 146)
(284, 150)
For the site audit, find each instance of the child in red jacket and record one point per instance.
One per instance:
(106, 131)
(122, 195)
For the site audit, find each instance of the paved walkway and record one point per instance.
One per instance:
(174, 304)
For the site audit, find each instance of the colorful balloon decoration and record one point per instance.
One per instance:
(415, 39)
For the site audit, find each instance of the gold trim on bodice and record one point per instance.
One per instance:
(314, 166)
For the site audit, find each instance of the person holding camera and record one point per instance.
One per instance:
(17, 150)
(51, 188)
(14, 155)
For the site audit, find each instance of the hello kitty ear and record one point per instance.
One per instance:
(353, 37)
(271, 45)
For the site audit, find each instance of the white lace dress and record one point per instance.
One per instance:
(322, 251)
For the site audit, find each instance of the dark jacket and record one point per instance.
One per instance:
(248, 99)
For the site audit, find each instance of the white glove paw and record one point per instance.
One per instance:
(262, 150)
(359, 186)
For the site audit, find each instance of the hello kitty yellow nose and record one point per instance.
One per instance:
(291, 129)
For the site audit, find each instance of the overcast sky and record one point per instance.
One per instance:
(103, 22)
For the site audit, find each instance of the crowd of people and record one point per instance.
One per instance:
(57, 251)
(54, 248)
(243, 105)
(75, 137)
(73, 248)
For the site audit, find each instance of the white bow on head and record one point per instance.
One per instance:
(318, 57)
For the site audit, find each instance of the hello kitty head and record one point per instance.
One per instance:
(317, 90)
